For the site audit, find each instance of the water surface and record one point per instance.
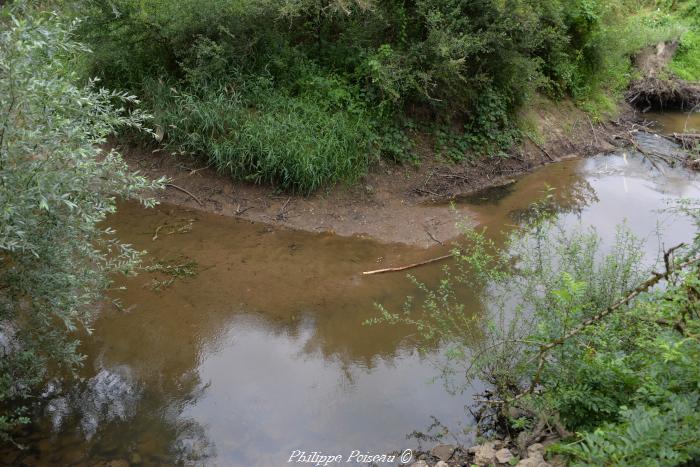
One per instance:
(264, 351)
(675, 122)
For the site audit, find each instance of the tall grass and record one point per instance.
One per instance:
(267, 136)
(301, 93)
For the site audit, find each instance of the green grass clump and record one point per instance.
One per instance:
(293, 142)
(686, 63)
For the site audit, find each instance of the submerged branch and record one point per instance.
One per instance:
(410, 266)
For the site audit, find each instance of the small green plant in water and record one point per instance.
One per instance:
(174, 269)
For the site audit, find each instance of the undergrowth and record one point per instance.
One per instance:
(686, 63)
(304, 94)
(577, 335)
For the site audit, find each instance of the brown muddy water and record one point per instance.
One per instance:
(675, 122)
(263, 351)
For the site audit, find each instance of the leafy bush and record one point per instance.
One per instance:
(444, 63)
(604, 69)
(577, 336)
(338, 74)
(56, 185)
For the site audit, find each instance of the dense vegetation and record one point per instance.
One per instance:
(686, 63)
(305, 93)
(581, 338)
(56, 185)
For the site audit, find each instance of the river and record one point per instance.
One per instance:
(262, 350)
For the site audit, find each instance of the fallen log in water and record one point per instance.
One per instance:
(685, 136)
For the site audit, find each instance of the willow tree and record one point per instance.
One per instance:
(57, 184)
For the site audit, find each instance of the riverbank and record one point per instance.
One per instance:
(413, 204)
(392, 203)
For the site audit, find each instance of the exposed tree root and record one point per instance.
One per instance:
(652, 93)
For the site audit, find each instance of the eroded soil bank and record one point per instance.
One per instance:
(411, 204)
(658, 90)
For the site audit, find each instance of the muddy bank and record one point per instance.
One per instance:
(392, 203)
(411, 205)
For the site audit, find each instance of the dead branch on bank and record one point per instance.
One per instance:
(539, 146)
(185, 191)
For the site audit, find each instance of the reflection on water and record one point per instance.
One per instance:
(264, 351)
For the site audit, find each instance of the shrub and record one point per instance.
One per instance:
(575, 335)
(445, 63)
(56, 186)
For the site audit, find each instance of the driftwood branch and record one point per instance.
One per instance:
(644, 153)
(410, 266)
(186, 192)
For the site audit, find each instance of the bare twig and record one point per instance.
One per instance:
(421, 190)
(155, 234)
(240, 211)
(544, 151)
(692, 111)
(451, 175)
(194, 171)
(432, 237)
(283, 210)
(592, 129)
(410, 266)
(186, 192)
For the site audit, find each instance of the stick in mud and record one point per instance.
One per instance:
(539, 146)
(185, 191)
